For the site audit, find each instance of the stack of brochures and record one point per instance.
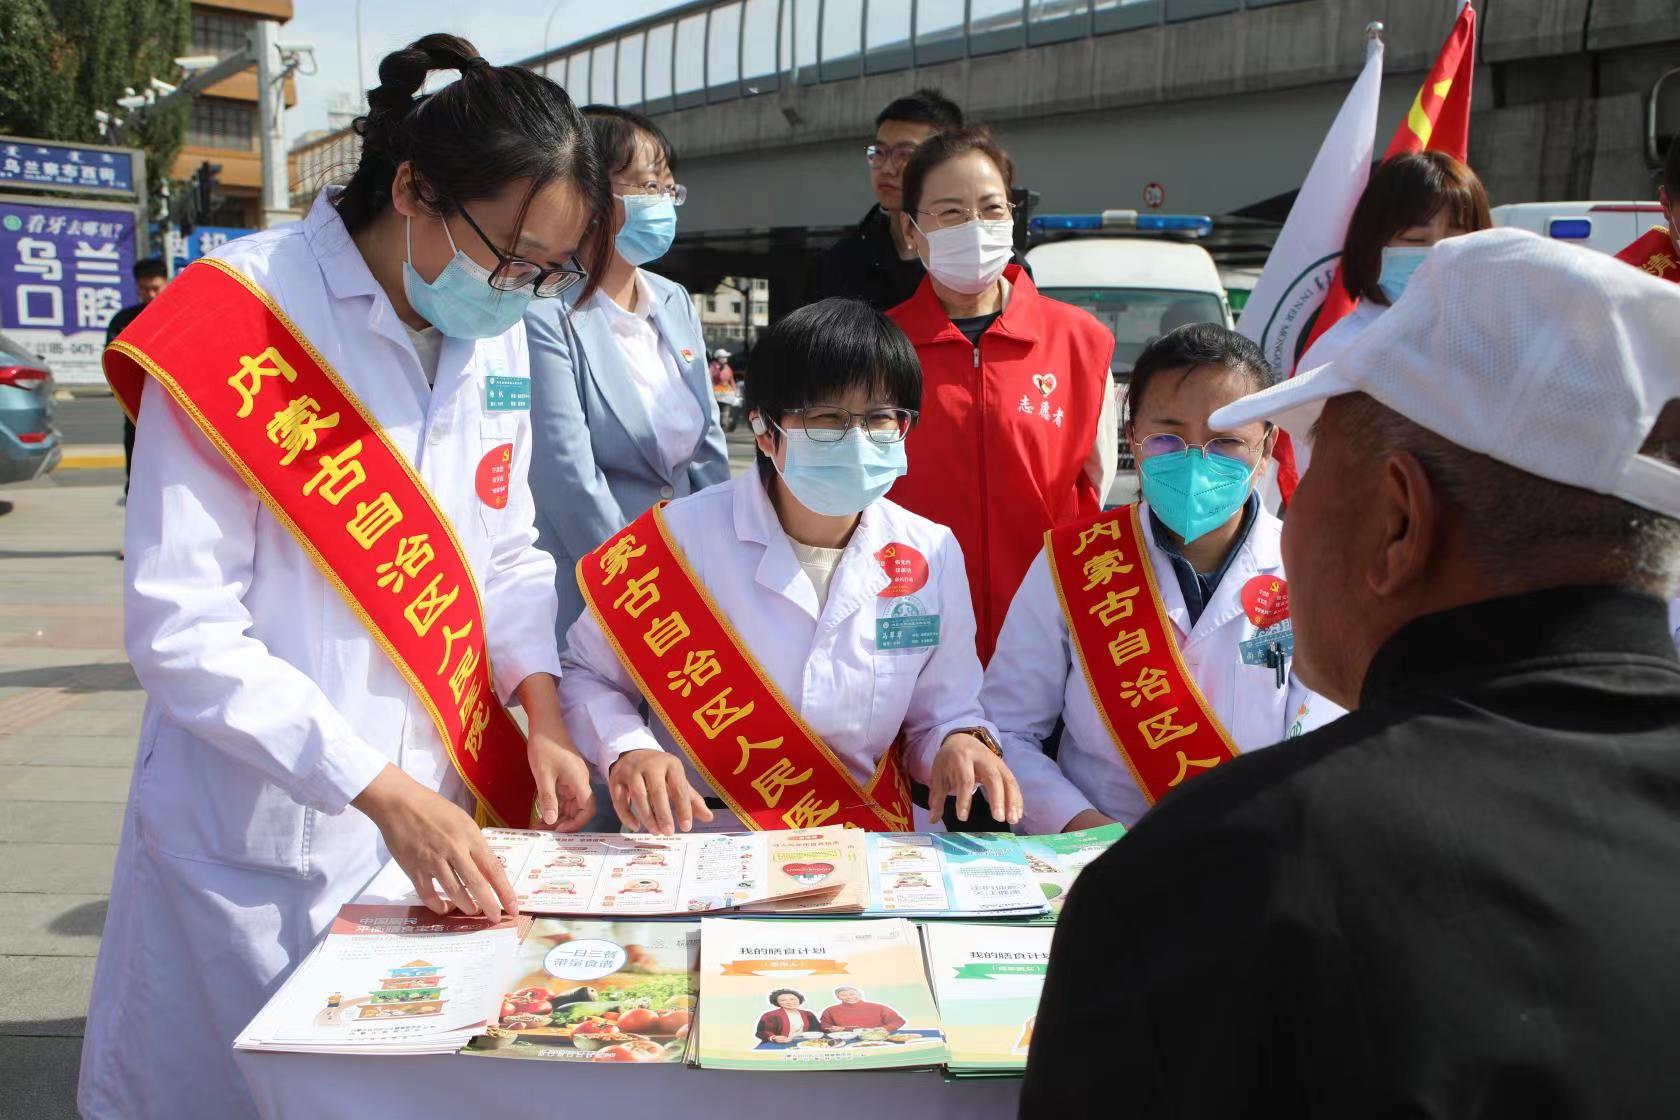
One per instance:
(783, 996)
(391, 980)
(986, 981)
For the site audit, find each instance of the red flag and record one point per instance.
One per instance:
(1438, 121)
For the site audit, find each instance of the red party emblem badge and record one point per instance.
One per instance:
(1265, 600)
(491, 478)
(907, 570)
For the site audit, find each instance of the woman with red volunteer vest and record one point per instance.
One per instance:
(1020, 429)
(1413, 201)
(332, 583)
(1158, 633)
(806, 645)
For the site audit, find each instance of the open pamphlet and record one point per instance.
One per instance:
(837, 995)
(986, 981)
(1057, 859)
(611, 875)
(951, 874)
(592, 991)
(391, 980)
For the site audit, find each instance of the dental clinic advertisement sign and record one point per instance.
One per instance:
(64, 271)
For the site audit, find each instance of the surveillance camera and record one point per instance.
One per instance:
(194, 62)
(101, 116)
(297, 45)
(161, 87)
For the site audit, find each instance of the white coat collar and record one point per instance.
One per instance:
(778, 568)
(348, 277)
(1259, 554)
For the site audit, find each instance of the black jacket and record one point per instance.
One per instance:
(1461, 900)
(865, 265)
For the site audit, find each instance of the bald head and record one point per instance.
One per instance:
(1394, 522)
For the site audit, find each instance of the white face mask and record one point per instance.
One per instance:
(969, 258)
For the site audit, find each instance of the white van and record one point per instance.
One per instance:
(1608, 227)
(1137, 287)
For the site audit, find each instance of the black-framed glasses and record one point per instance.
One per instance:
(877, 154)
(829, 423)
(512, 273)
(1225, 447)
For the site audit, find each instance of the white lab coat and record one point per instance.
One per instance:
(269, 707)
(1674, 621)
(1327, 349)
(1033, 678)
(825, 664)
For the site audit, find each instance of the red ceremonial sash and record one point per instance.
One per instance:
(1654, 252)
(715, 699)
(282, 418)
(1155, 715)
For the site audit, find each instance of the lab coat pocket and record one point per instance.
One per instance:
(896, 675)
(196, 802)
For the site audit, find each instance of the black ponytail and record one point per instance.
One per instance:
(471, 138)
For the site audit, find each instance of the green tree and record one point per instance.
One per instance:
(60, 61)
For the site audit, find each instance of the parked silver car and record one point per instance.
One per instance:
(29, 444)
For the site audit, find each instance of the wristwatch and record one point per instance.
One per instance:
(984, 736)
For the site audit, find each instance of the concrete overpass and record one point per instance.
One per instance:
(1221, 102)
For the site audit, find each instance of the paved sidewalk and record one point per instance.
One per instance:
(69, 716)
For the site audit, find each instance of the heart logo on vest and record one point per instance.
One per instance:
(688, 355)
(1045, 383)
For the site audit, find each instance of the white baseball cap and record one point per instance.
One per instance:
(1549, 357)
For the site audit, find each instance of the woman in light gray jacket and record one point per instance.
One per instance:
(622, 413)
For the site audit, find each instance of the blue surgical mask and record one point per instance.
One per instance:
(1194, 493)
(841, 478)
(1398, 264)
(460, 302)
(650, 225)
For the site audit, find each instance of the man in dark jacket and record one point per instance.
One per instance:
(150, 276)
(874, 263)
(1460, 899)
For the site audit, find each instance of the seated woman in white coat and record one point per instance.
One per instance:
(332, 584)
(1158, 633)
(805, 645)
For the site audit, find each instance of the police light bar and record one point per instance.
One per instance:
(1196, 225)
(1570, 229)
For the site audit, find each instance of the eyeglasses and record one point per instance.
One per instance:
(950, 217)
(1226, 447)
(513, 273)
(676, 192)
(829, 423)
(877, 154)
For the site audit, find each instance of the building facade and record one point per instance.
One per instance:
(734, 313)
(225, 122)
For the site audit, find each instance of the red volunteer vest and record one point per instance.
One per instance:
(1006, 428)
(1655, 253)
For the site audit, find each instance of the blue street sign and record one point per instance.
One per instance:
(65, 166)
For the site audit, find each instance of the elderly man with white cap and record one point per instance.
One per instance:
(1461, 899)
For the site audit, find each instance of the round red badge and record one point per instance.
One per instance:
(1265, 600)
(907, 570)
(491, 478)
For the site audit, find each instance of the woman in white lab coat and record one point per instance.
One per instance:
(1207, 539)
(791, 556)
(283, 759)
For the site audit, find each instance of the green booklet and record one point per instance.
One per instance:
(594, 991)
(1056, 860)
(804, 995)
(986, 980)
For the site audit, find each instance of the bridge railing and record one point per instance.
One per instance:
(713, 51)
